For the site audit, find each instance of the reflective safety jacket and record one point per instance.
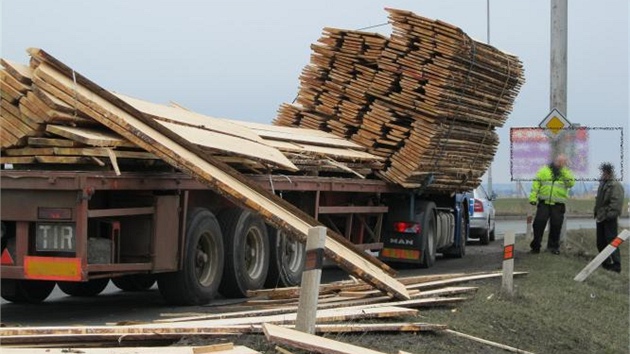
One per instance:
(548, 190)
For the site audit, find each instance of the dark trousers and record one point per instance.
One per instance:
(555, 215)
(606, 232)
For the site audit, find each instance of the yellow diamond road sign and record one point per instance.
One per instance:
(554, 122)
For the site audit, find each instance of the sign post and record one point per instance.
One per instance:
(508, 262)
(605, 253)
(311, 277)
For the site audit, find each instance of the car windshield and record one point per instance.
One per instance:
(480, 193)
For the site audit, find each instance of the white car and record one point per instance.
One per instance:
(482, 221)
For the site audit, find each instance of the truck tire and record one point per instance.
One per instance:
(246, 252)
(202, 267)
(427, 217)
(484, 237)
(83, 289)
(286, 260)
(134, 282)
(459, 251)
(26, 291)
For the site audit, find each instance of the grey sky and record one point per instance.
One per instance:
(242, 59)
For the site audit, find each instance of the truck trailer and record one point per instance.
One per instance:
(79, 229)
(97, 186)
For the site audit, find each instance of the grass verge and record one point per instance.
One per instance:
(549, 312)
(520, 206)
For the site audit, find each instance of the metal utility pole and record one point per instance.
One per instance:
(558, 72)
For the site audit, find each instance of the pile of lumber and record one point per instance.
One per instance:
(348, 306)
(183, 140)
(40, 128)
(430, 102)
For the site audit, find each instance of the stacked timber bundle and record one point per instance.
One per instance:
(42, 125)
(38, 127)
(431, 107)
(333, 95)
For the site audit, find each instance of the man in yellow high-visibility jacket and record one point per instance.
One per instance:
(550, 191)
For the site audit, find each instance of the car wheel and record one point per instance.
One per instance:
(484, 238)
(493, 234)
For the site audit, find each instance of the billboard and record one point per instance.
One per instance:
(586, 147)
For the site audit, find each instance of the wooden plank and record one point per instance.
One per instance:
(89, 136)
(178, 115)
(301, 135)
(206, 327)
(222, 347)
(17, 160)
(78, 151)
(221, 178)
(339, 153)
(260, 127)
(51, 142)
(13, 82)
(176, 333)
(9, 93)
(312, 343)
(132, 350)
(428, 295)
(229, 144)
(21, 72)
(487, 342)
(68, 160)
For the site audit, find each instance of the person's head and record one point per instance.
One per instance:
(560, 160)
(607, 170)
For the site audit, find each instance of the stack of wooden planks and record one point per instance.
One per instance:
(347, 306)
(183, 148)
(333, 94)
(430, 102)
(39, 128)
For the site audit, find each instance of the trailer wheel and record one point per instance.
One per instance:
(134, 282)
(26, 291)
(83, 289)
(286, 260)
(247, 252)
(427, 216)
(198, 280)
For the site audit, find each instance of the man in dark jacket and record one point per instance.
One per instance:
(608, 204)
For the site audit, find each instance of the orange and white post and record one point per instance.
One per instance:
(605, 253)
(508, 262)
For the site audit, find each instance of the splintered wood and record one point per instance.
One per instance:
(428, 99)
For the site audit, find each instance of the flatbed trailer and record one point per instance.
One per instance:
(79, 229)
